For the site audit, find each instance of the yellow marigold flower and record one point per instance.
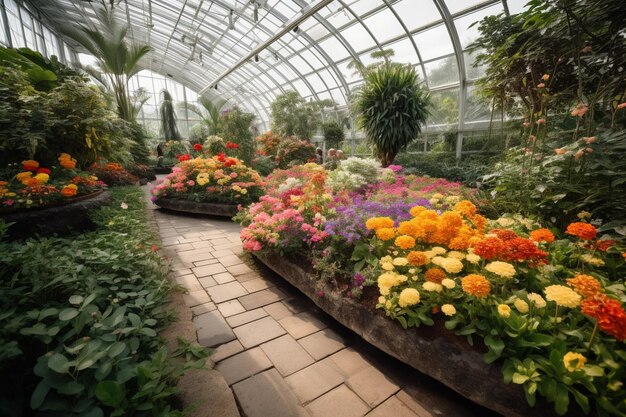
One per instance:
(450, 265)
(415, 211)
(202, 179)
(448, 309)
(473, 258)
(592, 260)
(476, 285)
(404, 242)
(536, 299)
(385, 233)
(376, 223)
(387, 266)
(585, 285)
(244, 191)
(408, 228)
(521, 306)
(456, 255)
(448, 283)
(409, 297)
(432, 287)
(24, 176)
(562, 296)
(433, 201)
(504, 310)
(452, 199)
(505, 222)
(438, 250)
(42, 178)
(400, 261)
(573, 361)
(388, 280)
(417, 258)
(583, 215)
(388, 305)
(465, 207)
(381, 299)
(502, 269)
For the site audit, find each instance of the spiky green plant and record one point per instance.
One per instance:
(391, 106)
(208, 110)
(116, 58)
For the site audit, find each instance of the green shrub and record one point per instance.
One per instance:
(293, 151)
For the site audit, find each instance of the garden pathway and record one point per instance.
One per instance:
(282, 356)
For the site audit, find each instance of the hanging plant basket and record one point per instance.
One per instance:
(186, 206)
(62, 218)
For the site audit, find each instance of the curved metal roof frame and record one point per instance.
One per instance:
(223, 32)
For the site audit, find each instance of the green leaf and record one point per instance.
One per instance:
(76, 299)
(402, 321)
(561, 402)
(39, 395)
(58, 363)
(519, 378)
(581, 400)
(116, 348)
(495, 344)
(110, 393)
(68, 314)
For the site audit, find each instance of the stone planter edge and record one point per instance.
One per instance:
(212, 209)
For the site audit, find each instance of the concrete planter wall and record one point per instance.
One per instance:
(60, 219)
(212, 209)
(433, 351)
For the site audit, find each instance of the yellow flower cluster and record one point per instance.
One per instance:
(409, 297)
(563, 296)
(387, 280)
(504, 310)
(203, 178)
(450, 265)
(502, 269)
(573, 361)
(376, 223)
(536, 299)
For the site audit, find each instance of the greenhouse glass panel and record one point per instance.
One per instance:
(443, 71)
(4, 39)
(360, 7)
(465, 27)
(404, 51)
(433, 43)
(334, 49)
(339, 17)
(358, 38)
(444, 107)
(384, 25)
(428, 13)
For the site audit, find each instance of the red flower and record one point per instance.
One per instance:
(489, 248)
(604, 244)
(44, 171)
(504, 234)
(197, 147)
(221, 156)
(185, 157)
(231, 145)
(520, 249)
(608, 312)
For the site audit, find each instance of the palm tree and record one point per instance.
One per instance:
(208, 110)
(116, 58)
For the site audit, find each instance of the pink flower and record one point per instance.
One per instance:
(541, 85)
(579, 154)
(545, 77)
(589, 150)
(586, 49)
(560, 151)
(233, 175)
(621, 105)
(541, 121)
(580, 110)
(532, 138)
(526, 124)
(589, 140)
(8, 202)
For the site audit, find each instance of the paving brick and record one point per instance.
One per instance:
(413, 405)
(182, 247)
(203, 271)
(207, 282)
(212, 329)
(297, 304)
(188, 240)
(262, 298)
(348, 362)
(259, 331)
(267, 395)
(196, 297)
(277, 310)
(257, 284)
(219, 241)
(189, 282)
(301, 325)
(248, 277)
(340, 402)
(247, 317)
(230, 308)
(372, 386)
(226, 350)
(182, 272)
(195, 255)
(243, 365)
(322, 343)
(202, 244)
(230, 260)
(223, 252)
(239, 269)
(392, 407)
(225, 292)
(313, 381)
(223, 278)
(203, 308)
(206, 262)
(287, 355)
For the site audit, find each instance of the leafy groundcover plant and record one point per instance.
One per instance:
(79, 319)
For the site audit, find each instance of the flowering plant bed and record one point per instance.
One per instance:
(549, 310)
(218, 180)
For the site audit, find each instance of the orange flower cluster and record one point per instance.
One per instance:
(542, 235)
(504, 234)
(476, 285)
(585, 285)
(513, 249)
(404, 242)
(609, 314)
(69, 190)
(112, 166)
(416, 258)
(67, 161)
(435, 275)
(604, 244)
(584, 231)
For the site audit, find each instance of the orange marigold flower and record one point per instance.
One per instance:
(504, 234)
(435, 275)
(584, 231)
(30, 165)
(519, 249)
(69, 190)
(542, 235)
(376, 223)
(416, 210)
(385, 233)
(604, 244)
(408, 228)
(609, 314)
(465, 207)
(404, 242)
(489, 248)
(585, 285)
(461, 242)
(476, 285)
(416, 258)
(68, 163)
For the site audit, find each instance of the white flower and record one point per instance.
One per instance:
(124, 206)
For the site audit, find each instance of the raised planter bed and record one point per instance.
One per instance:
(434, 351)
(211, 209)
(162, 170)
(59, 219)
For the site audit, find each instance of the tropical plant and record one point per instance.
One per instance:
(391, 105)
(333, 134)
(169, 130)
(293, 151)
(116, 58)
(209, 110)
(235, 125)
(292, 115)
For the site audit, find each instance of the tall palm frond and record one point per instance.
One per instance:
(208, 110)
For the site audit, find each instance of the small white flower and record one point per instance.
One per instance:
(124, 206)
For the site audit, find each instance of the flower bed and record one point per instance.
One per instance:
(549, 311)
(204, 183)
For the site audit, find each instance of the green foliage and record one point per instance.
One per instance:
(293, 151)
(333, 134)
(209, 111)
(169, 130)
(469, 170)
(294, 116)
(82, 313)
(234, 125)
(44, 74)
(391, 105)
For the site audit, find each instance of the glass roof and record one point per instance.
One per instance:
(195, 41)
